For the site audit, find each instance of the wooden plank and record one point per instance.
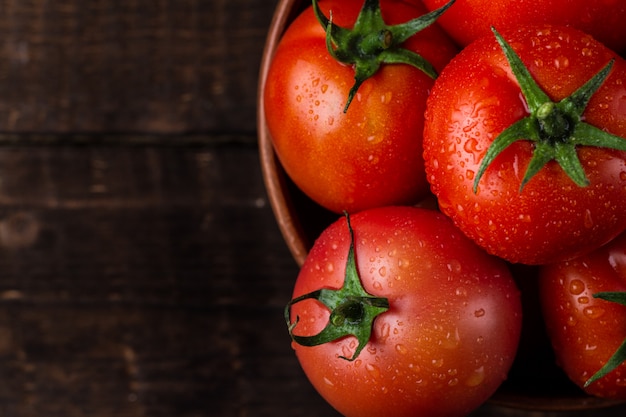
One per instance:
(166, 66)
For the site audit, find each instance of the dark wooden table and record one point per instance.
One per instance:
(142, 272)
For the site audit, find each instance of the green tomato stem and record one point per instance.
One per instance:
(556, 128)
(620, 354)
(352, 309)
(371, 42)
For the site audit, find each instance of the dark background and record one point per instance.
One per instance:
(142, 272)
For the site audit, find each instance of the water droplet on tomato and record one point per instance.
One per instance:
(382, 271)
(328, 382)
(479, 313)
(576, 287)
(594, 312)
(384, 332)
(590, 347)
(437, 363)
(583, 300)
(561, 62)
(404, 263)
(454, 266)
(373, 370)
(401, 349)
(324, 88)
(476, 378)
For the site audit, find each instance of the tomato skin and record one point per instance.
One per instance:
(468, 20)
(371, 155)
(475, 98)
(452, 329)
(585, 331)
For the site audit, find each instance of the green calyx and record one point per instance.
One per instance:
(352, 309)
(556, 129)
(620, 354)
(371, 42)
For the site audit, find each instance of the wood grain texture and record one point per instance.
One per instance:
(164, 66)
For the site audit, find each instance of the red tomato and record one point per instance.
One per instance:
(586, 331)
(452, 326)
(477, 97)
(468, 20)
(371, 155)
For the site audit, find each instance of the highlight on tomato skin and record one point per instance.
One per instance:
(550, 216)
(586, 331)
(451, 329)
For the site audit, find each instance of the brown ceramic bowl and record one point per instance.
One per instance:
(534, 383)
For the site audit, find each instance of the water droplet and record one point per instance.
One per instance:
(590, 347)
(571, 321)
(373, 370)
(384, 332)
(453, 382)
(330, 267)
(401, 349)
(461, 292)
(594, 312)
(583, 300)
(375, 139)
(328, 382)
(437, 363)
(382, 271)
(404, 263)
(386, 98)
(357, 363)
(377, 285)
(454, 266)
(476, 378)
(315, 82)
(324, 88)
(561, 62)
(576, 287)
(480, 312)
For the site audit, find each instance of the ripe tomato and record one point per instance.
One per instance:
(468, 20)
(586, 331)
(371, 155)
(450, 330)
(477, 101)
